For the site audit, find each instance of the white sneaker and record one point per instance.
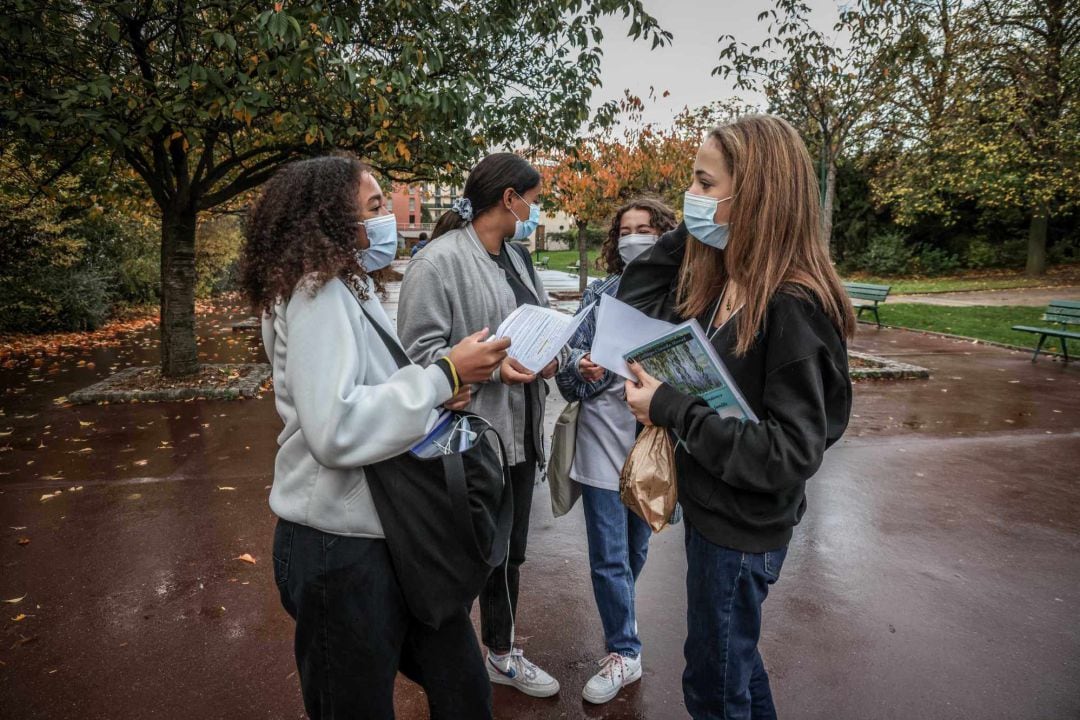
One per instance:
(516, 671)
(616, 672)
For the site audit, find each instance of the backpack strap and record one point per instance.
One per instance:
(392, 344)
(519, 258)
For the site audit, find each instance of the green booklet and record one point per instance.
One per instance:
(685, 359)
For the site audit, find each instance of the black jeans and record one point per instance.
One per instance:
(354, 632)
(499, 597)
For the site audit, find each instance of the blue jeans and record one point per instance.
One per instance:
(724, 677)
(618, 545)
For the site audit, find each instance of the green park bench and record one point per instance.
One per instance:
(542, 263)
(574, 267)
(866, 297)
(1062, 312)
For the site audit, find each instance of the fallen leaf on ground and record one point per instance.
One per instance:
(17, 527)
(13, 601)
(86, 423)
(225, 487)
(140, 463)
(246, 557)
(19, 618)
(23, 541)
(75, 488)
(134, 496)
(50, 496)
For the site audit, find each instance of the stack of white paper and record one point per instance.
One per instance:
(537, 333)
(620, 329)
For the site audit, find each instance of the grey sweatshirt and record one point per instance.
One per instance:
(452, 288)
(345, 404)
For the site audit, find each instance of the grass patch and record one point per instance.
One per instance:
(982, 322)
(974, 280)
(562, 259)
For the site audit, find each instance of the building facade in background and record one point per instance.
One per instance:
(418, 207)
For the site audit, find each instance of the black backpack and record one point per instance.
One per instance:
(447, 520)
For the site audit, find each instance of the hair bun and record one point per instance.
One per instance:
(463, 207)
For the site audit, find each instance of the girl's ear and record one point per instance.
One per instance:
(508, 198)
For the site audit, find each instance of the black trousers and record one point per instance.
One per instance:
(354, 632)
(499, 597)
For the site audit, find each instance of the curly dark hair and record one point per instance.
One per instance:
(304, 222)
(661, 217)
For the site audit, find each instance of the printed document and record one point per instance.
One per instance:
(620, 329)
(538, 333)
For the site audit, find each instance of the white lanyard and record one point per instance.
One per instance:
(712, 319)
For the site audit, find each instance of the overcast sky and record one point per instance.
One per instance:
(684, 67)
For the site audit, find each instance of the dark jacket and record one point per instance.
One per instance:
(569, 380)
(741, 484)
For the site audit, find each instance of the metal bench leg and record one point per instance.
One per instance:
(1065, 349)
(1042, 339)
(877, 318)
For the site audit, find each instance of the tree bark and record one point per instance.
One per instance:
(827, 205)
(179, 352)
(583, 254)
(1036, 249)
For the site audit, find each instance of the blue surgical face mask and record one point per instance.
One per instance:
(699, 214)
(631, 246)
(525, 228)
(382, 242)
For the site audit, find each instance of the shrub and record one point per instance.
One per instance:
(594, 237)
(887, 253)
(1063, 251)
(930, 260)
(981, 255)
(217, 249)
(47, 297)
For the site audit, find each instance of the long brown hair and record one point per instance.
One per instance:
(304, 222)
(661, 217)
(774, 231)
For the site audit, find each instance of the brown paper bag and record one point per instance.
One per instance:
(647, 484)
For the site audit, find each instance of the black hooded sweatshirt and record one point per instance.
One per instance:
(741, 484)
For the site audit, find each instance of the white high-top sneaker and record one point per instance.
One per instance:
(616, 672)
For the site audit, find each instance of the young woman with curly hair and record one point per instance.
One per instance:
(315, 236)
(750, 264)
(618, 539)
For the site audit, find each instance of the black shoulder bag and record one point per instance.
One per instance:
(447, 519)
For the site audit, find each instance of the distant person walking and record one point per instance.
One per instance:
(421, 243)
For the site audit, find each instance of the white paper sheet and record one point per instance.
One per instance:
(537, 334)
(620, 329)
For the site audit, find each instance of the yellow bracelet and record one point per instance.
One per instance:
(454, 374)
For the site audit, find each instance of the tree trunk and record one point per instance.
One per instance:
(583, 254)
(1036, 250)
(827, 205)
(179, 353)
